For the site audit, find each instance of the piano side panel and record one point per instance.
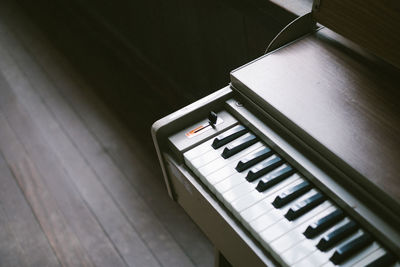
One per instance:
(219, 226)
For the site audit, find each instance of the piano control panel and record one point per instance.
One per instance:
(274, 201)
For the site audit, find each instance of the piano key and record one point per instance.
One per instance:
(198, 150)
(262, 206)
(283, 226)
(206, 147)
(362, 255)
(353, 246)
(304, 206)
(220, 168)
(322, 224)
(243, 188)
(253, 159)
(220, 162)
(211, 154)
(371, 258)
(268, 195)
(295, 235)
(336, 235)
(303, 250)
(275, 177)
(237, 192)
(269, 218)
(379, 259)
(316, 257)
(238, 145)
(228, 183)
(291, 194)
(229, 136)
(264, 167)
(204, 159)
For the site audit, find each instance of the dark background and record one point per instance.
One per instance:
(149, 58)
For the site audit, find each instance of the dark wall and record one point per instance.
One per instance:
(167, 53)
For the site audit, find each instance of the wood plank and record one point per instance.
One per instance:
(35, 249)
(63, 241)
(77, 215)
(123, 150)
(11, 253)
(124, 237)
(139, 214)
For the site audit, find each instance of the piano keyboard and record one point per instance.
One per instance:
(284, 211)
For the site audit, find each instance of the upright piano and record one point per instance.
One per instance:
(297, 161)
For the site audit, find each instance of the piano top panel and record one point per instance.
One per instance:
(339, 99)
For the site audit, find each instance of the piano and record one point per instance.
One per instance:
(297, 161)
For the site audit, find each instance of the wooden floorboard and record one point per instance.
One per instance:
(101, 180)
(48, 142)
(22, 223)
(11, 253)
(63, 241)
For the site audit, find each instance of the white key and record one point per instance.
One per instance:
(238, 191)
(269, 218)
(200, 155)
(268, 195)
(318, 257)
(365, 252)
(220, 162)
(307, 247)
(328, 264)
(284, 226)
(262, 207)
(209, 155)
(205, 147)
(205, 158)
(229, 182)
(295, 236)
(370, 258)
(221, 168)
(199, 150)
(241, 190)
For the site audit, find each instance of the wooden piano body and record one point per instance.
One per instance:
(328, 105)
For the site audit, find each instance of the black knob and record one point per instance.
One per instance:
(212, 118)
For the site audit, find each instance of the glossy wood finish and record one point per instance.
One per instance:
(372, 24)
(76, 187)
(342, 101)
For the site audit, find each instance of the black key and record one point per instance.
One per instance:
(324, 223)
(238, 146)
(350, 248)
(255, 158)
(275, 177)
(385, 260)
(229, 136)
(335, 236)
(264, 168)
(291, 194)
(301, 207)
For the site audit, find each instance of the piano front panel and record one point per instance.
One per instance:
(278, 201)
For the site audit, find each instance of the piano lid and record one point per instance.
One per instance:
(340, 100)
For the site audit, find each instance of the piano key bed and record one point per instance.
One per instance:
(279, 206)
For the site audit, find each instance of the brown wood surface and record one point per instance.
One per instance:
(342, 101)
(373, 24)
(77, 188)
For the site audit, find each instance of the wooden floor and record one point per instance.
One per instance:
(76, 187)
